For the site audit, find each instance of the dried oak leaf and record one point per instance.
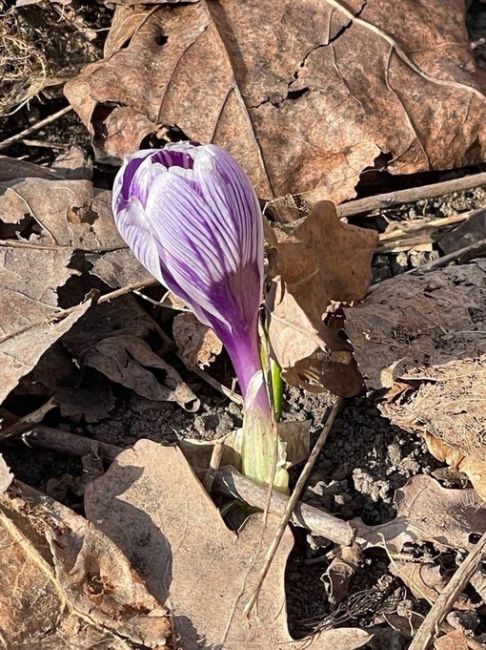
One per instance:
(197, 343)
(428, 333)
(69, 585)
(171, 530)
(306, 101)
(427, 512)
(320, 261)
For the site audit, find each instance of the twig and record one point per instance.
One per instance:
(214, 463)
(227, 480)
(419, 232)
(214, 383)
(28, 421)
(230, 482)
(447, 597)
(35, 127)
(410, 195)
(45, 144)
(476, 248)
(292, 502)
(69, 443)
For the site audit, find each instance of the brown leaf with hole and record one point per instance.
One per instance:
(455, 640)
(320, 261)
(170, 528)
(427, 512)
(341, 570)
(429, 332)
(70, 586)
(306, 102)
(197, 343)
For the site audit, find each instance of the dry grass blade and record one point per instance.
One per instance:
(292, 502)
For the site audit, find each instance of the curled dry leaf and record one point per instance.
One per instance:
(70, 586)
(129, 361)
(197, 343)
(248, 87)
(428, 333)
(474, 469)
(188, 553)
(427, 512)
(320, 261)
(6, 476)
(339, 573)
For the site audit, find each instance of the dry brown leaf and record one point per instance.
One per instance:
(290, 103)
(320, 261)
(474, 469)
(428, 331)
(197, 343)
(151, 505)
(47, 225)
(129, 361)
(70, 586)
(455, 640)
(6, 476)
(427, 512)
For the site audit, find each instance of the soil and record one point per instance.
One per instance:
(365, 459)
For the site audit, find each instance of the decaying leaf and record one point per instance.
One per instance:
(151, 505)
(455, 640)
(291, 104)
(69, 585)
(427, 512)
(425, 581)
(6, 476)
(474, 469)
(428, 332)
(320, 261)
(197, 343)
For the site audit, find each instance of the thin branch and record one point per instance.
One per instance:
(292, 502)
(448, 596)
(35, 127)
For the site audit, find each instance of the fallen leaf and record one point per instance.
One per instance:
(70, 586)
(320, 261)
(427, 512)
(129, 361)
(424, 580)
(48, 225)
(197, 343)
(6, 476)
(451, 641)
(151, 505)
(290, 103)
(474, 469)
(428, 331)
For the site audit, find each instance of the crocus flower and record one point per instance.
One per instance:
(192, 218)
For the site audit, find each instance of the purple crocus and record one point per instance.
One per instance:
(191, 217)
